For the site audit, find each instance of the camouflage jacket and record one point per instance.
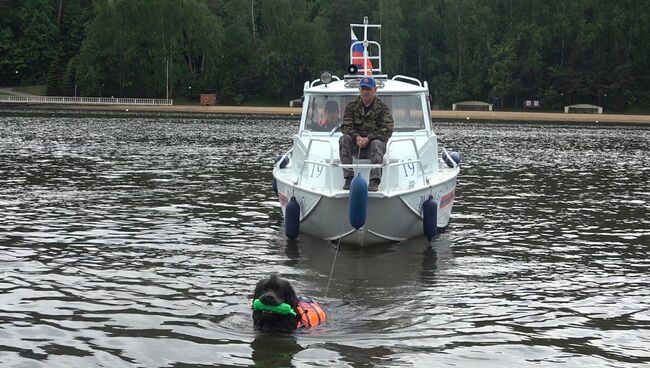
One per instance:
(376, 124)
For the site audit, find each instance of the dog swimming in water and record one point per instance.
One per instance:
(277, 307)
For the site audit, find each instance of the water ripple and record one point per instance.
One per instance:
(137, 241)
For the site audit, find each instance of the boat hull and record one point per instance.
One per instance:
(389, 219)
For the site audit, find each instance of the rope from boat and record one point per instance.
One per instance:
(338, 245)
(333, 263)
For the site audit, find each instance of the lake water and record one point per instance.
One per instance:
(136, 241)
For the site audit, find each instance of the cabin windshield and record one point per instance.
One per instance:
(407, 112)
(326, 112)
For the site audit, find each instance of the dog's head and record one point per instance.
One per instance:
(272, 292)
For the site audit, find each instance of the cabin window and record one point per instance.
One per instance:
(326, 112)
(407, 111)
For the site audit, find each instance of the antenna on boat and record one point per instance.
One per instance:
(365, 55)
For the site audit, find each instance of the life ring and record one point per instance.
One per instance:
(205, 100)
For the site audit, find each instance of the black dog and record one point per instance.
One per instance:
(269, 313)
(275, 291)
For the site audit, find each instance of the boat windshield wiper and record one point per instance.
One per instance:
(335, 129)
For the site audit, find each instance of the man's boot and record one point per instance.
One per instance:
(348, 180)
(373, 186)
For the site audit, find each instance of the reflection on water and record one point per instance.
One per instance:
(137, 241)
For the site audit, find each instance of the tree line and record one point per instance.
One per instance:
(500, 51)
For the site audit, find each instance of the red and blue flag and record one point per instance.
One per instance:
(357, 54)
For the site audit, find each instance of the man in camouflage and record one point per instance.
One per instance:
(367, 125)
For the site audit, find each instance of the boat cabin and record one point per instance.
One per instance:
(408, 101)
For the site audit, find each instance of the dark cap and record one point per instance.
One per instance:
(368, 82)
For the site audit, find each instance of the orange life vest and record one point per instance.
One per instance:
(311, 314)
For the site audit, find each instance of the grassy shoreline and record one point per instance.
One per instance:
(295, 113)
(258, 108)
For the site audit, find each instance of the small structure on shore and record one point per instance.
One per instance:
(208, 99)
(472, 105)
(583, 109)
(532, 104)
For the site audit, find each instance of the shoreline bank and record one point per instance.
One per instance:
(295, 113)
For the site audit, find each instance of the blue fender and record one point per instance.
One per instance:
(284, 162)
(454, 156)
(358, 204)
(430, 218)
(274, 185)
(292, 219)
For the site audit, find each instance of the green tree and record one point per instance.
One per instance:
(392, 35)
(132, 49)
(34, 47)
(293, 47)
(340, 14)
(239, 54)
(12, 61)
(72, 17)
(559, 51)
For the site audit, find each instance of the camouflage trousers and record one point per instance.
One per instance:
(374, 151)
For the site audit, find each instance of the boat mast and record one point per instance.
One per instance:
(366, 45)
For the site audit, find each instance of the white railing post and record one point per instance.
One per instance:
(85, 100)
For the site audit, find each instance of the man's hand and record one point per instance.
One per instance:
(362, 142)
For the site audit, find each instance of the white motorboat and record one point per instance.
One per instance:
(418, 177)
